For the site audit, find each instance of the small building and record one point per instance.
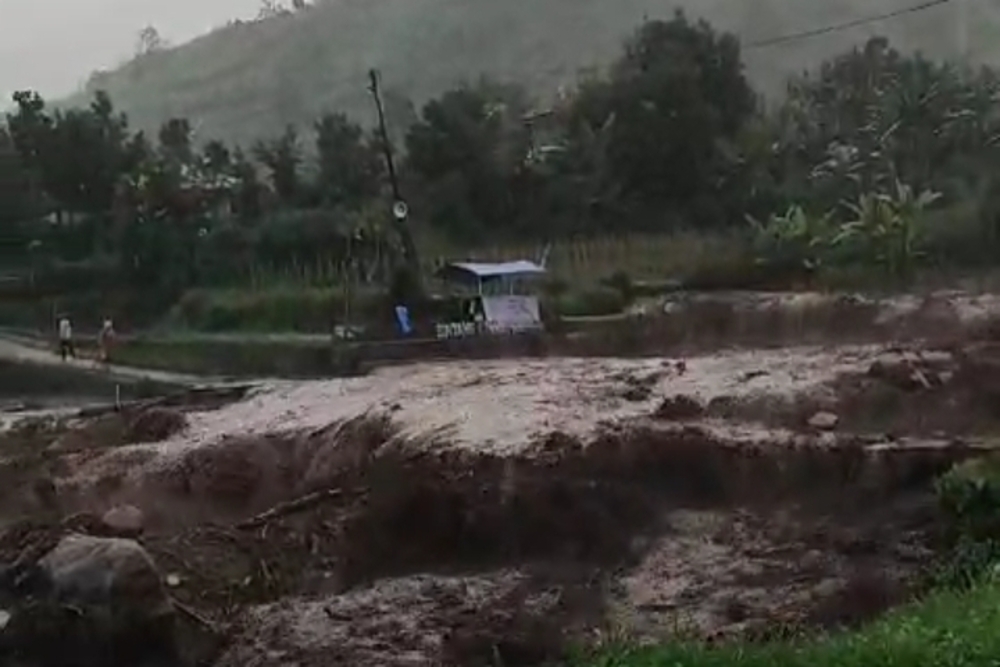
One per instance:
(503, 278)
(500, 298)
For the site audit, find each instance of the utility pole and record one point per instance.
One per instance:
(400, 210)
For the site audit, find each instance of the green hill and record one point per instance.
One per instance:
(251, 78)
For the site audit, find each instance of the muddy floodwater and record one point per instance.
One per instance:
(33, 386)
(503, 511)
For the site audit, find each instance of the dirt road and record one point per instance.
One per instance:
(20, 350)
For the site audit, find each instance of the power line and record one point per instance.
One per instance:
(771, 41)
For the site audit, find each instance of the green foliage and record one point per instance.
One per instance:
(880, 230)
(621, 281)
(948, 629)
(316, 59)
(873, 116)
(887, 226)
(673, 102)
(794, 238)
(970, 495)
(288, 309)
(15, 199)
(591, 302)
(468, 154)
(872, 159)
(653, 144)
(282, 157)
(350, 167)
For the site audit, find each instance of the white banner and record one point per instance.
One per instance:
(512, 313)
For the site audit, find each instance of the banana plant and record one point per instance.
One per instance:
(792, 237)
(886, 226)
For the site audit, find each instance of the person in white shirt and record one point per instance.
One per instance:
(105, 339)
(66, 338)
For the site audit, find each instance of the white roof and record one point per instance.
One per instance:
(505, 269)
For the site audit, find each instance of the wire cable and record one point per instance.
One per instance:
(772, 41)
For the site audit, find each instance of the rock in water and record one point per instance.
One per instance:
(103, 604)
(107, 571)
(124, 521)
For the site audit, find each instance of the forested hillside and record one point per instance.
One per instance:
(242, 81)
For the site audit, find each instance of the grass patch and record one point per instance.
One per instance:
(597, 301)
(948, 629)
(229, 358)
(645, 257)
(284, 308)
(317, 310)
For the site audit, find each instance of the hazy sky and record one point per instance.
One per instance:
(53, 45)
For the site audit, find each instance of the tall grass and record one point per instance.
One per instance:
(644, 257)
(322, 273)
(647, 257)
(284, 308)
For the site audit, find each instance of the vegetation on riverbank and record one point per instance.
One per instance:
(956, 625)
(879, 165)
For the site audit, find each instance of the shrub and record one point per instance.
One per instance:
(591, 302)
(969, 495)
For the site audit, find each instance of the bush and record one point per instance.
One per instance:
(622, 282)
(969, 495)
(591, 302)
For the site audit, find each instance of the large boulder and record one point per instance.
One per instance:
(92, 602)
(109, 572)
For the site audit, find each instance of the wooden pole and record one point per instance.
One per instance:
(409, 246)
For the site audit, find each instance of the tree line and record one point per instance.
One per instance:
(671, 137)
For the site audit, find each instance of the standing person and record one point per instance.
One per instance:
(105, 339)
(66, 338)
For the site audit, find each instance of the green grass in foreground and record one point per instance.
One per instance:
(948, 629)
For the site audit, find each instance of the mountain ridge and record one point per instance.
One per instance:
(250, 79)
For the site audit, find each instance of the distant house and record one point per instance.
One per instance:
(544, 133)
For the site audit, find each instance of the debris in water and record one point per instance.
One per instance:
(824, 421)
